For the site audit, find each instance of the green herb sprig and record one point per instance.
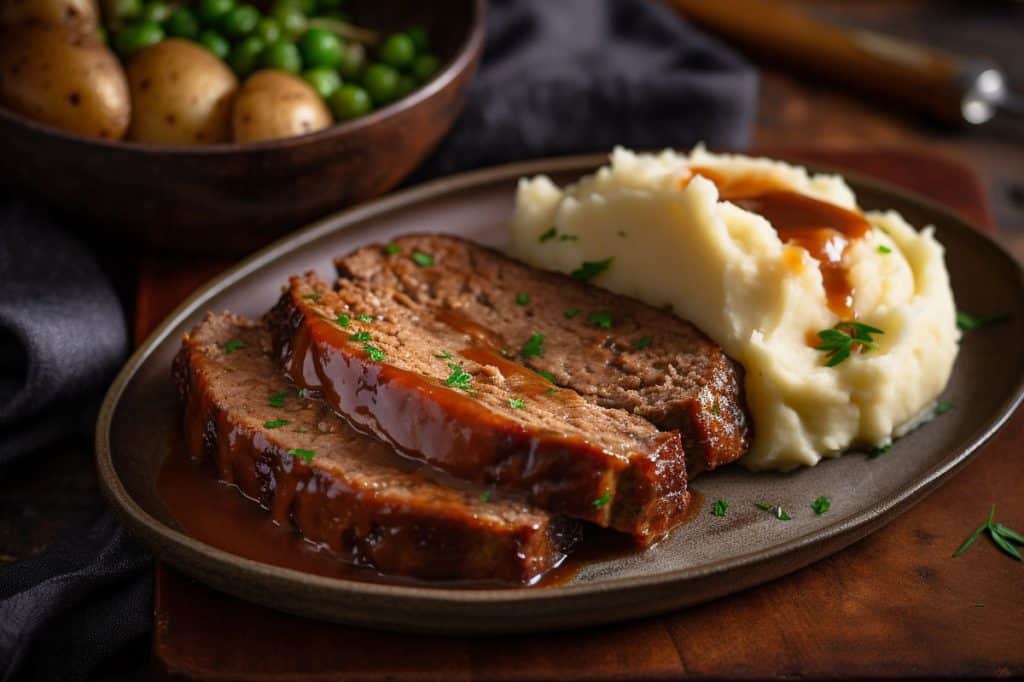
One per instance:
(821, 505)
(603, 500)
(719, 508)
(969, 323)
(1004, 537)
(233, 345)
(839, 341)
(305, 455)
(776, 510)
(459, 378)
(590, 269)
(534, 346)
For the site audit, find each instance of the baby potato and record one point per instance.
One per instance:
(80, 15)
(63, 78)
(181, 95)
(274, 104)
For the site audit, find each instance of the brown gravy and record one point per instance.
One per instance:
(824, 230)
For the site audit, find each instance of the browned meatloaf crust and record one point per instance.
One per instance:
(411, 374)
(367, 503)
(648, 362)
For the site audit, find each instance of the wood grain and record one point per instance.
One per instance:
(894, 604)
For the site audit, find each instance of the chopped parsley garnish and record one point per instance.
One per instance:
(522, 299)
(642, 343)
(276, 423)
(776, 510)
(233, 345)
(516, 403)
(970, 323)
(360, 336)
(365, 318)
(882, 248)
(277, 400)
(546, 374)
(376, 354)
(719, 508)
(552, 390)
(568, 238)
(1004, 537)
(485, 496)
(392, 249)
(550, 234)
(879, 450)
(601, 318)
(942, 407)
(841, 340)
(312, 297)
(342, 320)
(444, 355)
(571, 313)
(459, 378)
(534, 346)
(821, 505)
(306, 455)
(424, 260)
(591, 269)
(603, 500)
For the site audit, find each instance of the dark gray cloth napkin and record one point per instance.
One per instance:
(557, 77)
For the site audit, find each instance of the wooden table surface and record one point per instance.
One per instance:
(893, 604)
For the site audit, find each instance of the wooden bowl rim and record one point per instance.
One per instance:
(464, 57)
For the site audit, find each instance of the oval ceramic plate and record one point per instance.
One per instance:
(706, 558)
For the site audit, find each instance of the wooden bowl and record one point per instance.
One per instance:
(232, 198)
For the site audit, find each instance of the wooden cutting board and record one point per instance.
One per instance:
(893, 605)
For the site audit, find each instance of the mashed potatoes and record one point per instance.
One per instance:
(675, 243)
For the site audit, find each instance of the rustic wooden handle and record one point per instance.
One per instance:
(928, 80)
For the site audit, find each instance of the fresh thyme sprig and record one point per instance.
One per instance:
(840, 340)
(1003, 536)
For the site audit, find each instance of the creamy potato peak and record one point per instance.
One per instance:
(762, 256)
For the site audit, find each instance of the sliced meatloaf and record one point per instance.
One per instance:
(339, 487)
(438, 389)
(613, 350)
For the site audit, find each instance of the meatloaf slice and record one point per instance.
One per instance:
(368, 504)
(415, 378)
(613, 350)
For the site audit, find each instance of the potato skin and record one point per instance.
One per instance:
(80, 15)
(65, 79)
(181, 95)
(274, 104)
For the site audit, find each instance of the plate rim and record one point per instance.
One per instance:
(840, 533)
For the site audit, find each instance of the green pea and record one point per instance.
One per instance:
(425, 66)
(215, 43)
(157, 12)
(381, 81)
(320, 48)
(350, 101)
(420, 38)
(324, 80)
(126, 9)
(406, 84)
(353, 58)
(290, 19)
(245, 56)
(397, 51)
(267, 30)
(240, 21)
(131, 39)
(282, 55)
(211, 11)
(182, 24)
